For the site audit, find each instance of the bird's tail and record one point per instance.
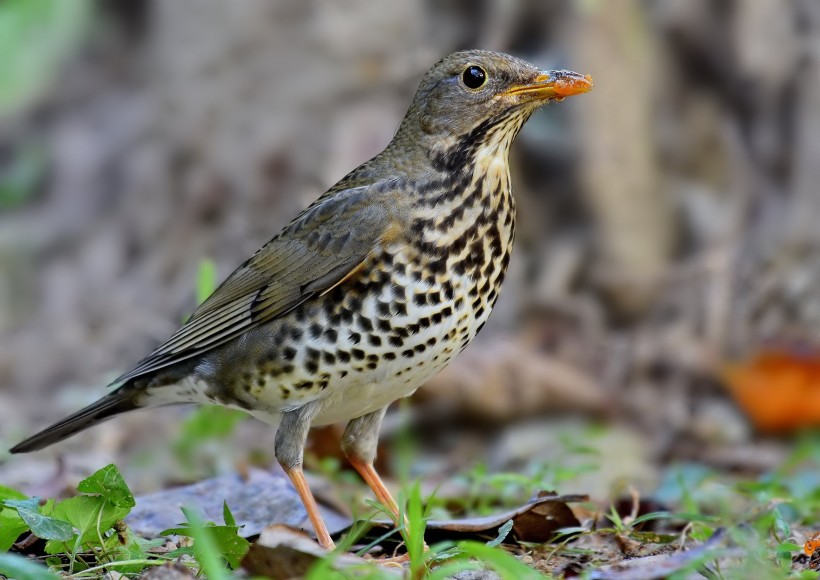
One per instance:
(120, 401)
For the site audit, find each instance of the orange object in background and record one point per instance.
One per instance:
(779, 390)
(812, 544)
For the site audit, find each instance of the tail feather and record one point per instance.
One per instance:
(104, 409)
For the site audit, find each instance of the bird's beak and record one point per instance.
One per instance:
(553, 84)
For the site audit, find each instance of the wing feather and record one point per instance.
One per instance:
(326, 244)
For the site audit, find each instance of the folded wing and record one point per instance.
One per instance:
(326, 243)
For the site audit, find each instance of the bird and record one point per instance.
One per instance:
(369, 291)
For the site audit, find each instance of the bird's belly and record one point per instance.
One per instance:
(362, 347)
(416, 349)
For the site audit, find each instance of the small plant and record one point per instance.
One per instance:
(86, 535)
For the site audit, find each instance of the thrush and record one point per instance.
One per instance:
(367, 293)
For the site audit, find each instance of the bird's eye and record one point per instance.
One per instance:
(474, 77)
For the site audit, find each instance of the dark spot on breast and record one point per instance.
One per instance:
(447, 290)
(354, 304)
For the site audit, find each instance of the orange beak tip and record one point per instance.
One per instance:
(569, 86)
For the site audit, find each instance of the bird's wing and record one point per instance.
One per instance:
(322, 247)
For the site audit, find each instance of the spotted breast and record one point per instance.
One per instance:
(417, 301)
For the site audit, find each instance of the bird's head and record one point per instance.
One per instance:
(477, 90)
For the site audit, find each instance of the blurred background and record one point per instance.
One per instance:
(661, 316)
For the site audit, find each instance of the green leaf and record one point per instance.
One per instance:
(228, 516)
(230, 546)
(20, 568)
(109, 483)
(205, 548)
(132, 551)
(41, 526)
(789, 547)
(9, 493)
(503, 532)
(91, 515)
(11, 526)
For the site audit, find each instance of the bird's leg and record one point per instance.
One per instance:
(359, 443)
(290, 445)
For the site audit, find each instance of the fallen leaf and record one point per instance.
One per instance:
(658, 566)
(535, 522)
(256, 501)
(778, 389)
(282, 552)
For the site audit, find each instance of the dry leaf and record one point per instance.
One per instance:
(657, 566)
(779, 390)
(282, 552)
(256, 501)
(536, 522)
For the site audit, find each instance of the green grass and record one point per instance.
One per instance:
(86, 536)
